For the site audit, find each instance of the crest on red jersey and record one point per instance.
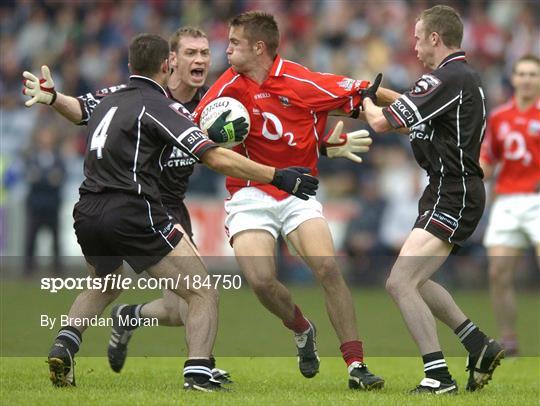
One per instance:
(534, 127)
(285, 101)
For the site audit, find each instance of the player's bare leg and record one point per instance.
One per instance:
(201, 319)
(254, 251)
(319, 255)
(502, 262)
(441, 304)
(202, 315)
(421, 255)
(170, 310)
(88, 304)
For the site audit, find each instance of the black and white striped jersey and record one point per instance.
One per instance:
(177, 165)
(130, 130)
(446, 114)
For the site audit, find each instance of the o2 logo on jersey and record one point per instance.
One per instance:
(515, 148)
(273, 129)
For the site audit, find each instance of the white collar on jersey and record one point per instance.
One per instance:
(150, 80)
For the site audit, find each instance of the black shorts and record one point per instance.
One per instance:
(451, 208)
(112, 227)
(179, 215)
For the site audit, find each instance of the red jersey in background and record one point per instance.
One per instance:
(513, 140)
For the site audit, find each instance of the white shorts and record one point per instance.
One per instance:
(514, 221)
(252, 209)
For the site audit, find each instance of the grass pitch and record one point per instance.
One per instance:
(258, 352)
(258, 381)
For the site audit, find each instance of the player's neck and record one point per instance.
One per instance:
(260, 72)
(183, 93)
(442, 54)
(523, 103)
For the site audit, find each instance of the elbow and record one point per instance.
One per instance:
(215, 160)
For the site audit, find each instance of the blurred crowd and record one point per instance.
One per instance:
(85, 44)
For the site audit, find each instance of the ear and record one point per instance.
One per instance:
(435, 38)
(173, 59)
(165, 66)
(259, 47)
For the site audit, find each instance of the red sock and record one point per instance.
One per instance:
(352, 351)
(299, 324)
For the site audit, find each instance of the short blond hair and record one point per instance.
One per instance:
(446, 22)
(186, 31)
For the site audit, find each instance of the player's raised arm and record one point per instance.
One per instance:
(42, 91)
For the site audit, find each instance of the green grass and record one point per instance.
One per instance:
(258, 351)
(258, 381)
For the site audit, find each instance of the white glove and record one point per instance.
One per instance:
(339, 145)
(41, 90)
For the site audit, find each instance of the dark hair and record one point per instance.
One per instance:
(259, 26)
(446, 22)
(526, 58)
(146, 54)
(181, 32)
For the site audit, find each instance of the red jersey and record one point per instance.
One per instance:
(513, 140)
(288, 114)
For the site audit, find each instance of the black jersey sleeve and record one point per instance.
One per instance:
(89, 101)
(169, 123)
(431, 96)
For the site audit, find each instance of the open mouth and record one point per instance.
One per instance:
(197, 73)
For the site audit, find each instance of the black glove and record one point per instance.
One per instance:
(371, 92)
(227, 131)
(296, 181)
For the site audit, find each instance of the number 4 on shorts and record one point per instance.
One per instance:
(100, 134)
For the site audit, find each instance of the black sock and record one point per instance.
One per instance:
(435, 367)
(212, 362)
(132, 312)
(471, 336)
(199, 369)
(71, 338)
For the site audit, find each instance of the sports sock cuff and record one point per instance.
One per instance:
(198, 366)
(471, 336)
(299, 324)
(212, 362)
(435, 367)
(464, 329)
(72, 337)
(352, 351)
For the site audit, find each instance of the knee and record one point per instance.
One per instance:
(327, 272)
(396, 285)
(106, 297)
(499, 274)
(391, 286)
(262, 285)
(112, 294)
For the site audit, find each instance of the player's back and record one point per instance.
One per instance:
(122, 153)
